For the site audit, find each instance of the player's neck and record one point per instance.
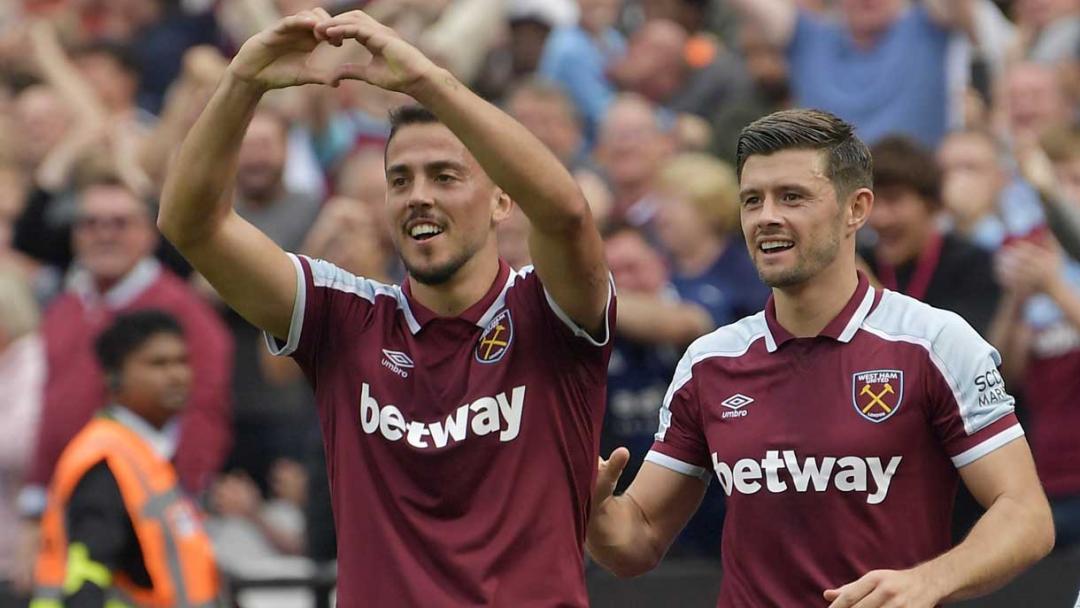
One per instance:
(806, 309)
(465, 288)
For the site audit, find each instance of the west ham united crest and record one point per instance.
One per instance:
(877, 394)
(496, 339)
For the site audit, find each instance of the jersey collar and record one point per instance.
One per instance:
(842, 328)
(478, 314)
(163, 441)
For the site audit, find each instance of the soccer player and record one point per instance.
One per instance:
(461, 410)
(837, 421)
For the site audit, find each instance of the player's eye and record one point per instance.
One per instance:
(444, 178)
(750, 201)
(398, 182)
(790, 197)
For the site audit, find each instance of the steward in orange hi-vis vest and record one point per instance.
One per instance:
(118, 532)
(176, 551)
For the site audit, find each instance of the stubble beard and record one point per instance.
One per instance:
(442, 273)
(808, 265)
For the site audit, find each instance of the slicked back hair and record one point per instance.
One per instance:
(848, 163)
(412, 114)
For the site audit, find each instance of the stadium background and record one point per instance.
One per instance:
(642, 99)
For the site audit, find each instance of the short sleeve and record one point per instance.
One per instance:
(325, 294)
(680, 440)
(970, 409)
(560, 323)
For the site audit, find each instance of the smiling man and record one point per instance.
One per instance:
(838, 421)
(461, 410)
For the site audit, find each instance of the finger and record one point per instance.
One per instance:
(612, 469)
(297, 23)
(321, 16)
(846, 596)
(348, 71)
(876, 599)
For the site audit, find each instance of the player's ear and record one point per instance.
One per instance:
(859, 206)
(503, 205)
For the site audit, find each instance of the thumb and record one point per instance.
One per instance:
(349, 71)
(609, 471)
(831, 594)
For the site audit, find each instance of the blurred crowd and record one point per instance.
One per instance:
(971, 107)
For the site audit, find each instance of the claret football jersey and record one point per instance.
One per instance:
(838, 453)
(461, 450)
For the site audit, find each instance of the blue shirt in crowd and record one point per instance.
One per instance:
(729, 290)
(897, 86)
(576, 61)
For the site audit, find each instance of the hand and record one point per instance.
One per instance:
(885, 589)
(1035, 165)
(608, 473)
(395, 64)
(1025, 267)
(281, 56)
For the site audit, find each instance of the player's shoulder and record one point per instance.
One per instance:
(901, 318)
(732, 340)
(327, 275)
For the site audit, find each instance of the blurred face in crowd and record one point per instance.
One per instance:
(443, 208)
(1035, 97)
(550, 117)
(765, 62)
(903, 221)
(654, 65)
(527, 38)
(155, 379)
(972, 177)
(870, 17)
(634, 264)
(598, 15)
(113, 83)
(679, 11)
(680, 225)
(263, 153)
(112, 233)
(43, 119)
(792, 221)
(1041, 13)
(631, 146)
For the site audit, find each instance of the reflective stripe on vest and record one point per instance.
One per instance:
(165, 524)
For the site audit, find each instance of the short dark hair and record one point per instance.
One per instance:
(412, 114)
(128, 333)
(848, 162)
(901, 162)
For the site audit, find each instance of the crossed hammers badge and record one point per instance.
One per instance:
(877, 394)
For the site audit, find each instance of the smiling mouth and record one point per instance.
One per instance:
(775, 246)
(424, 231)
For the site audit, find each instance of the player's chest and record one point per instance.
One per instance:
(439, 387)
(816, 399)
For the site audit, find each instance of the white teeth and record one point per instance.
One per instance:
(772, 245)
(424, 230)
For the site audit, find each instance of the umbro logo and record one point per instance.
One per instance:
(736, 403)
(397, 362)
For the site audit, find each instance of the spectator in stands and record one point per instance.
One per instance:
(545, 110)
(880, 65)
(653, 327)
(698, 223)
(114, 274)
(634, 143)
(578, 56)
(1037, 330)
(974, 179)
(529, 23)
(1034, 99)
(270, 419)
(22, 374)
(912, 255)
(117, 522)
(111, 71)
(1050, 29)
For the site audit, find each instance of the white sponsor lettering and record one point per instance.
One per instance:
(846, 474)
(499, 413)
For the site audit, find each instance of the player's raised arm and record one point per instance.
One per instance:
(252, 274)
(566, 247)
(629, 534)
